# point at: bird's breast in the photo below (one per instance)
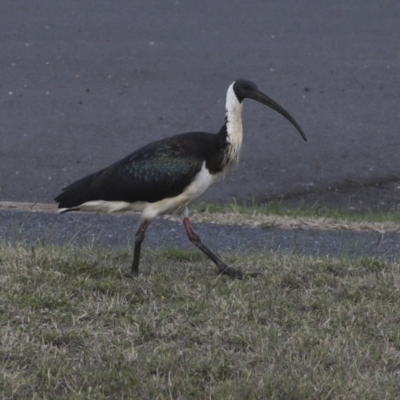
(201, 182)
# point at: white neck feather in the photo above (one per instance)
(234, 127)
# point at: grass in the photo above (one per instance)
(73, 325)
(278, 209)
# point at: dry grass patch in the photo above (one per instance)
(265, 221)
(73, 325)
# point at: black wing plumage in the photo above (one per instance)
(156, 171)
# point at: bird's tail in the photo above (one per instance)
(74, 195)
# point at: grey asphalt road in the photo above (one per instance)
(84, 83)
(118, 231)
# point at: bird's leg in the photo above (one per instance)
(139, 237)
(223, 268)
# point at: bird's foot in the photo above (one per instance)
(132, 274)
(233, 273)
(253, 274)
(237, 274)
(129, 275)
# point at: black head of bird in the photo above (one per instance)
(163, 177)
(245, 89)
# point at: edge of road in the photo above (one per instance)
(254, 220)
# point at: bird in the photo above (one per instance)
(165, 176)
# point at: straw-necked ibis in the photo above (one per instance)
(163, 177)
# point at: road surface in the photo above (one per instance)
(84, 83)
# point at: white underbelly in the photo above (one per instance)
(203, 180)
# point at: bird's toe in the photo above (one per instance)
(233, 273)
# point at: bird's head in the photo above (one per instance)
(245, 89)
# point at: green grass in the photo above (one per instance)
(73, 325)
(277, 208)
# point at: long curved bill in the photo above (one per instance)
(264, 99)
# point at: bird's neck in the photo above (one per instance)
(234, 128)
